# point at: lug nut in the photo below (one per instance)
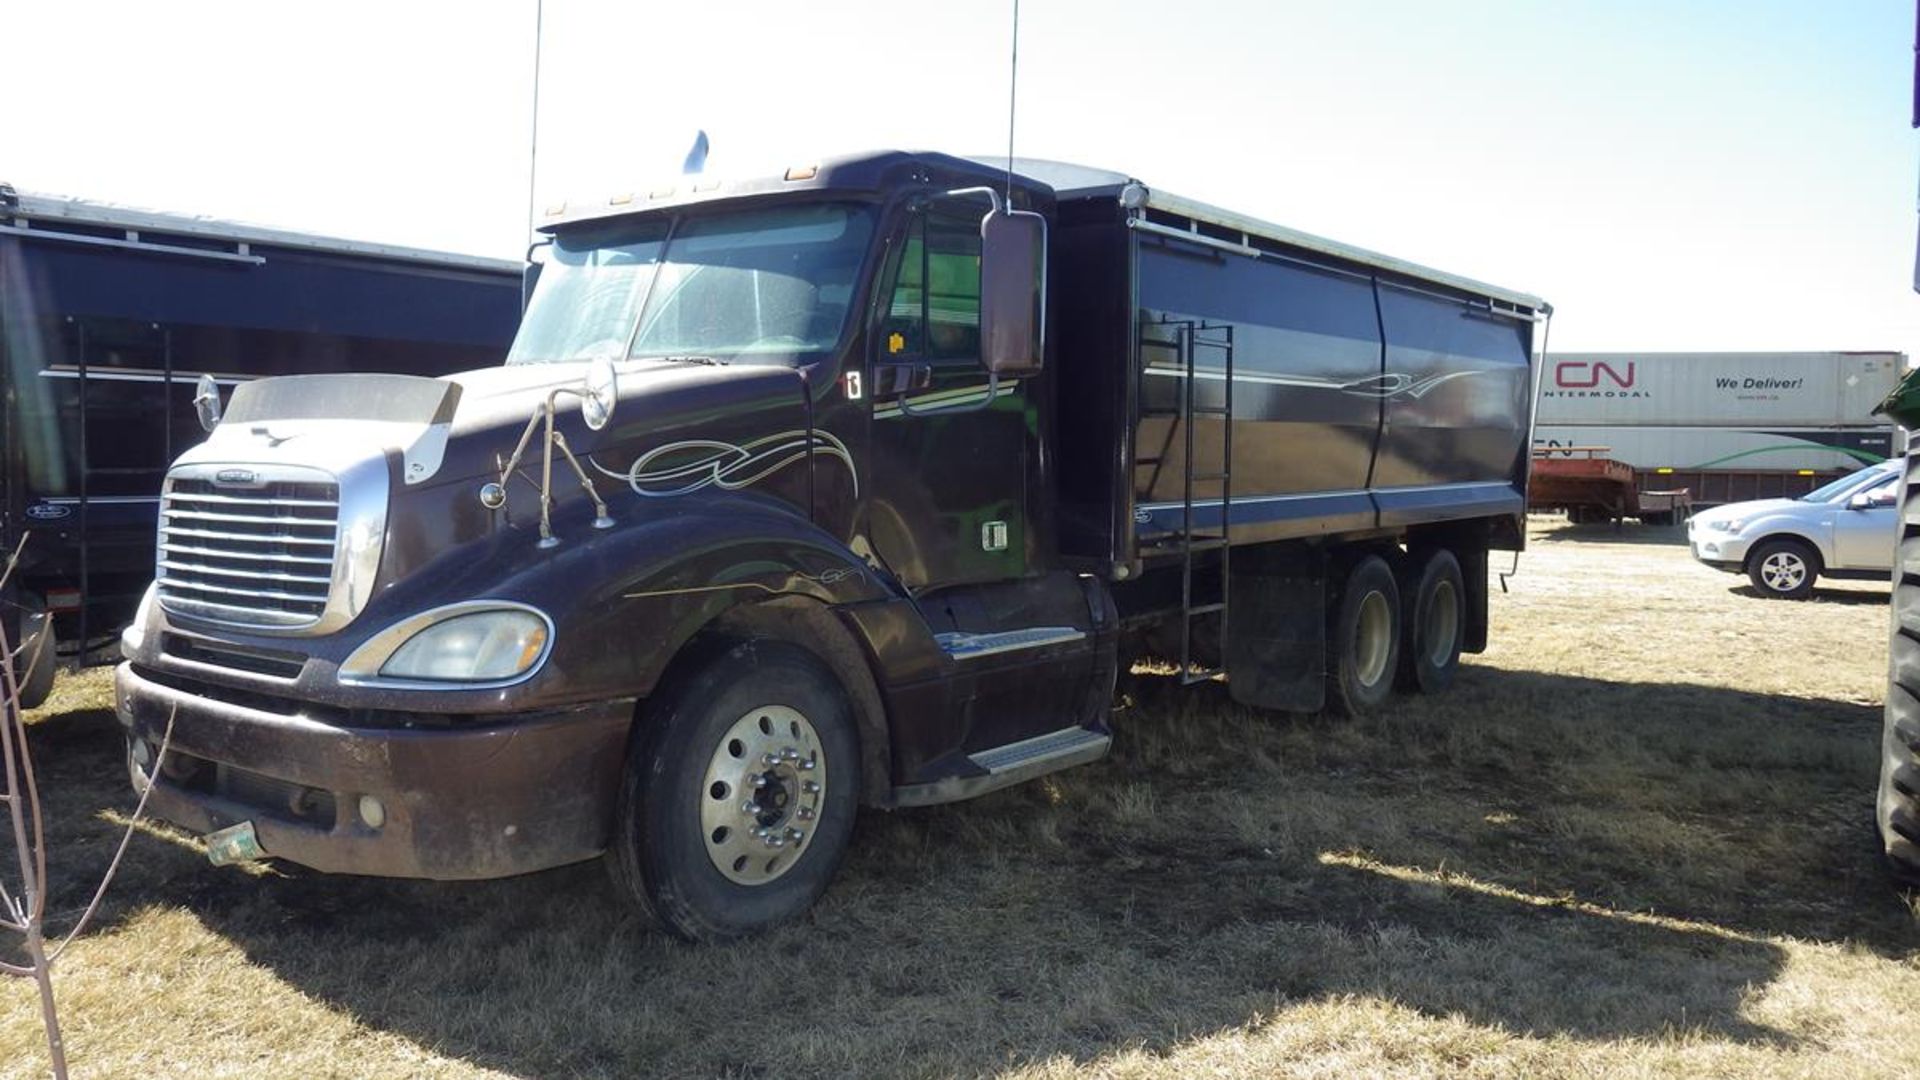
(770, 758)
(757, 780)
(790, 754)
(810, 788)
(806, 813)
(749, 807)
(796, 835)
(807, 765)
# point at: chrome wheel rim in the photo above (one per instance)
(762, 795)
(1373, 639)
(1783, 571)
(1443, 624)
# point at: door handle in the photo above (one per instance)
(893, 380)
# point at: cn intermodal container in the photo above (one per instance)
(1785, 412)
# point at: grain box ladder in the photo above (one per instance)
(1189, 338)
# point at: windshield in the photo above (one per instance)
(1844, 485)
(770, 282)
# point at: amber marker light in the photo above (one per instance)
(803, 172)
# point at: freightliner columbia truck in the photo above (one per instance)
(855, 485)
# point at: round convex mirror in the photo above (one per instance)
(599, 394)
(206, 401)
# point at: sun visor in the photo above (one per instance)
(404, 399)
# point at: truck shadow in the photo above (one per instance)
(1531, 853)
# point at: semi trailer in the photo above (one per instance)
(853, 485)
(108, 317)
(1728, 427)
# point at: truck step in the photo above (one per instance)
(963, 646)
(1015, 763)
(1044, 753)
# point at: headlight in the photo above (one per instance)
(485, 646)
(475, 641)
(1727, 525)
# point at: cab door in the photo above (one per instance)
(1865, 529)
(948, 449)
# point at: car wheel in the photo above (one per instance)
(1434, 623)
(741, 787)
(1784, 569)
(1365, 639)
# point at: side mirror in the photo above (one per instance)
(206, 401)
(1013, 286)
(601, 391)
(1867, 500)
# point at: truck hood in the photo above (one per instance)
(466, 426)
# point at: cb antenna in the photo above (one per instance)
(1013, 87)
(533, 139)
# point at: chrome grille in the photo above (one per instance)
(256, 552)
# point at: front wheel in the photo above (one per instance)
(1783, 569)
(741, 787)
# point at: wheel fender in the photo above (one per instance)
(627, 601)
(1820, 550)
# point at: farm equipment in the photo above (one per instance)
(1593, 487)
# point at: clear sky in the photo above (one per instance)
(1671, 175)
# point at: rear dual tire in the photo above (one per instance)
(1388, 630)
(1435, 626)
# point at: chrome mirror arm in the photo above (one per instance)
(493, 496)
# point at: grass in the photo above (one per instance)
(1634, 840)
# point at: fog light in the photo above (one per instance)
(372, 812)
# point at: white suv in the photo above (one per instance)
(1847, 529)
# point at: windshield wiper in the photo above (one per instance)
(710, 361)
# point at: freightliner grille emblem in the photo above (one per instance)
(236, 476)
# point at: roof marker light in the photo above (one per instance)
(803, 172)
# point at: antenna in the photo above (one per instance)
(1013, 86)
(533, 140)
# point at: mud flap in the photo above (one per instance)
(1277, 646)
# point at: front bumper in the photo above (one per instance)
(505, 795)
(1720, 550)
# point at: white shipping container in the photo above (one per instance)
(1705, 390)
(1650, 449)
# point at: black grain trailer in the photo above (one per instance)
(108, 316)
(882, 469)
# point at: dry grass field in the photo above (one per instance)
(1633, 841)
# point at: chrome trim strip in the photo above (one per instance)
(959, 645)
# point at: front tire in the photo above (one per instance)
(741, 787)
(1783, 569)
(1364, 639)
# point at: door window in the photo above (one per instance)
(933, 312)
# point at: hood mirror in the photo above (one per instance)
(206, 401)
(601, 391)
